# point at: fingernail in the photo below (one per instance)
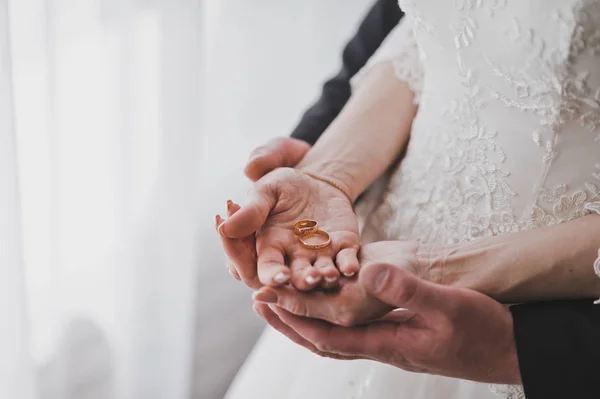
(229, 203)
(264, 296)
(281, 278)
(351, 274)
(256, 155)
(220, 229)
(381, 276)
(310, 280)
(234, 275)
(331, 279)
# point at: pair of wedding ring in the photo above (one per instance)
(307, 227)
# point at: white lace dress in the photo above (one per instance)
(506, 138)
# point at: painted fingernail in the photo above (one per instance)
(220, 229)
(331, 279)
(310, 280)
(234, 275)
(264, 296)
(281, 278)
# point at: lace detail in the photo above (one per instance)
(401, 49)
(594, 207)
(507, 133)
(508, 391)
(407, 64)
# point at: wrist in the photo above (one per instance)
(439, 264)
(477, 266)
(336, 173)
(508, 370)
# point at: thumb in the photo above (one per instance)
(278, 153)
(401, 289)
(250, 218)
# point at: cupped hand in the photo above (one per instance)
(350, 304)
(275, 203)
(453, 332)
(241, 253)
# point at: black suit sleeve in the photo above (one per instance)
(558, 345)
(379, 21)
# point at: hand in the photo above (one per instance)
(241, 253)
(275, 203)
(351, 304)
(446, 331)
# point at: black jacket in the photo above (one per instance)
(558, 343)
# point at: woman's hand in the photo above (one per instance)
(351, 304)
(279, 200)
(241, 253)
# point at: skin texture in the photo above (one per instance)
(275, 203)
(442, 330)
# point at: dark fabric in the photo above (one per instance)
(558, 345)
(378, 23)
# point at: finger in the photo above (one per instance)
(363, 341)
(398, 316)
(233, 272)
(241, 254)
(274, 321)
(250, 218)
(272, 270)
(328, 272)
(306, 304)
(402, 289)
(304, 276)
(279, 152)
(232, 208)
(347, 261)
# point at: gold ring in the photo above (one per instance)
(306, 226)
(320, 246)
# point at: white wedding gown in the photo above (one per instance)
(507, 138)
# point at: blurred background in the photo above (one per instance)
(124, 128)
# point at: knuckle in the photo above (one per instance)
(260, 151)
(347, 318)
(323, 346)
(294, 306)
(405, 289)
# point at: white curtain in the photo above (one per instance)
(100, 197)
(124, 126)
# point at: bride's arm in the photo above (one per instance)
(368, 135)
(374, 127)
(549, 263)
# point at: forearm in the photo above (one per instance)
(379, 21)
(368, 135)
(550, 263)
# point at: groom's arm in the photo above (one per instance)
(558, 346)
(377, 24)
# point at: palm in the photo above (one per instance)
(351, 304)
(293, 196)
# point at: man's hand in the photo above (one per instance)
(241, 253)
(445, 331)
(350, 304)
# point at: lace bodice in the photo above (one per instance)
(507, 134)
